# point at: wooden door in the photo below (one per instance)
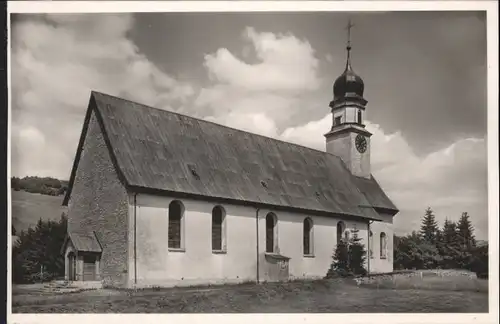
(89, 268)
(71, 267)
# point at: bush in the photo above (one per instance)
(479, 262)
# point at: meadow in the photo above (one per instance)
(28, 208)
(384, 294)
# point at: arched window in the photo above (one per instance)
(370, 242)
(340, 231)
(308, 236)
(175, 225)
(383, 245)
(218, 229)
(271, 231)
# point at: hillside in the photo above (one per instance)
(28, 208)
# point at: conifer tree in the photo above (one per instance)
(448, 245)
(429, 227)
(466, 241)
(466, 232)
(340, 264)
(37, 247)
(357, 254)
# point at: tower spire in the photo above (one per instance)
(348, 47)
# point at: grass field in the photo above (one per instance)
(337, 296)
(28, 208)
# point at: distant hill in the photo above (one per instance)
(42, 185)
(28, 208)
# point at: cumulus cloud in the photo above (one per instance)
(56, 61)
(284, 63)
(264, 92)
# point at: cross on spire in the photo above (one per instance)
(348, 27)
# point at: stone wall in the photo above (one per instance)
(99, 202)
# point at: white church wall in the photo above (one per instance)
(156, 265)
(290, 241)
(378, 263)
(196, 264)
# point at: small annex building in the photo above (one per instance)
(157, 198)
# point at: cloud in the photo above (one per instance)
(56, 61)
(451, 180)
(266, 91)
(284, 63)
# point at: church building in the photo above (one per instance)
(157, 198)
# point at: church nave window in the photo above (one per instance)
(271, 233)
(340, 231)
(370, 242)
(383, 245)
(308, 236)
(218, 229)
(175, 225)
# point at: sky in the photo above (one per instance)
(271, 74)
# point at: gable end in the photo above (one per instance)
(92, 108)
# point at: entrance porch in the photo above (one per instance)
(82, 255)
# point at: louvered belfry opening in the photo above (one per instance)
(307, 236)
(175, 211)
(270, 228)
(217, 222)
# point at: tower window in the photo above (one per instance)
(338, 120)
(360, 121)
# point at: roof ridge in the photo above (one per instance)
(217, 124)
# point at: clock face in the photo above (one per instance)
(361, 143)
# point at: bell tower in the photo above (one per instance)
(348, 138)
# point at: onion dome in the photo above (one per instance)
(349, 84)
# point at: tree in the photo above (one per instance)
(13, 229)
(340, 264)
(466, 232)
(413, 252)
(448, 245)
(37, 247)
(466, 241)
(349, 257)
(429, 227)
(357, 254)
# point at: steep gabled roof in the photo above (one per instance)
(160, 151)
